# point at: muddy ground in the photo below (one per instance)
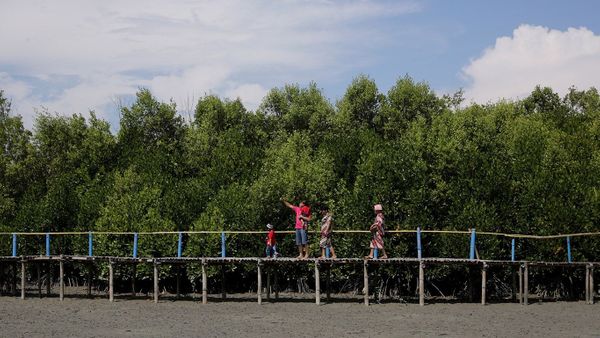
(240, 315)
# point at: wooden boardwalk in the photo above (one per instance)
(268, 266)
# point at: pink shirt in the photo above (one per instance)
(298, 212)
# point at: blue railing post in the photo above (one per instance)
(512, 250)
(569, 249)
(14, 245)
(179, 240)
(135, 245)
(419, 248)
(472, 249)
(223, 244)
(47, 244)
(90, 244)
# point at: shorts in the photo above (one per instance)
(301, 237)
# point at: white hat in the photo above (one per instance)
(378, 207)
(269, 226)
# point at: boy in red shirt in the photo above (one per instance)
(271, 243)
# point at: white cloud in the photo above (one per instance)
(180, 48)
(533, 56)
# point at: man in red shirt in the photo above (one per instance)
(301, 233)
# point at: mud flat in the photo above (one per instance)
(242, 316)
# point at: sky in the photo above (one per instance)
(76, 56)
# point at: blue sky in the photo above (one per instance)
(71, 56)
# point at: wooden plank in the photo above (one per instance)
(366, 281)
(276, 283)
(223, 293)
(23, 272)
(177, 281)
(61, 280)
(133, 277)
(39, 278)
(111, 288)
(422, 283)
(204, 284)
(14, 278)
(317, 284)
(328, 282)
(89, 288)
(48, 278)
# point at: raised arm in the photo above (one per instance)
(287, 204)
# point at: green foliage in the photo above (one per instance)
(530, 166)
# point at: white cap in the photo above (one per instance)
(269, 226)
(378, 207)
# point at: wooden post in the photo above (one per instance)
(259, 281)
(421, 283)
(526, 284)
(268, 283)
(133, 277)
(48, 279)
(89, 288)
(276, 283)
(14, 279)
(520, 284)
(483, 282)
(223, 293)
(61, 273)
(317, 283)
(22, 279)
(204, 283)
(39, 278)
(155, 282)
(592, 290)
(328, 282)
(514, 283)
(366, 281)
(587, 284)
(177, 281)
(110, 282)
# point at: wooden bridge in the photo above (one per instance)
(268, 267)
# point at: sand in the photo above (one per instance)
(98, 317)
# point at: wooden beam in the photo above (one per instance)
(276, 283)
(587, 284)
(592, 289)
(328, 283)
(133, 277)
(223, 293)
(177, 281)
(39, 278)
(48, 278)
(89, 288)
(520, 284)
(268, 283)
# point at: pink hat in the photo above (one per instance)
(378, 207)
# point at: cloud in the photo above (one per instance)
(534, 55)
(179, 49)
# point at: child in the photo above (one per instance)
(377, 231)
(271, 243)
(326, 229)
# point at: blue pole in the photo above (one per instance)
(472, 250)
(47, 244)
(90, 245)
(569, 249)
(135, 244)
(223, 244)
(419, 248)
(375, 253)
(512, 250)
(179, 244)
(14, 246)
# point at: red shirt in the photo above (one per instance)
(271, 237)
